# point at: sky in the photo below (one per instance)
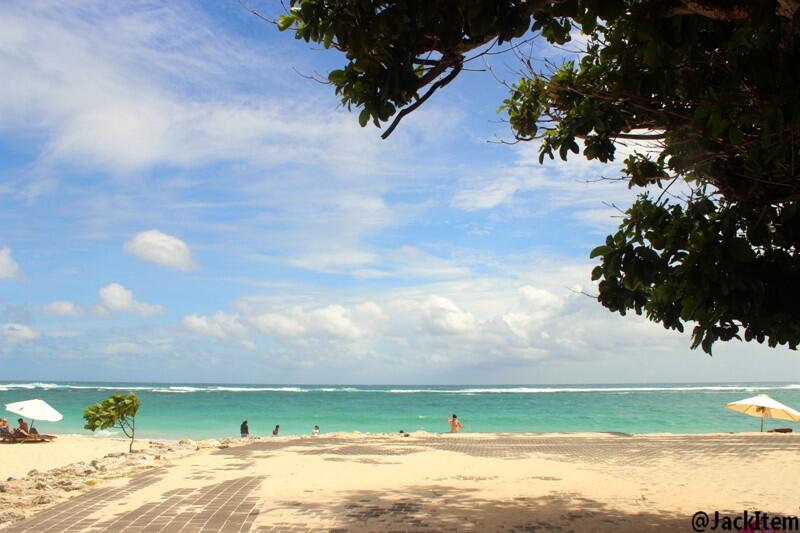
(180, 202)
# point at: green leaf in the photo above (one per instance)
(735, 136)
(363, 117)
(285, 22)
(598, 251)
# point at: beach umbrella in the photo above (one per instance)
(762, 406)
(35, 410)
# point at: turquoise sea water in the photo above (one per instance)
(210, 410)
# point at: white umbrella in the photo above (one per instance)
(35, 410)
(762, 406)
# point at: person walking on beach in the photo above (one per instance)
(276, 431)
(244, 429)
(455, 423)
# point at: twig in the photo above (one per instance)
(593, 296)
(441, 83)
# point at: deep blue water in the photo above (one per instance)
(212, 410)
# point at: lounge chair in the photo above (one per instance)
(19, 436)
(780, 430)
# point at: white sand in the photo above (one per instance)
(17, 460)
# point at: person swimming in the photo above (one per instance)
(455, 424)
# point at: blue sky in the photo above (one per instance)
(177, 203)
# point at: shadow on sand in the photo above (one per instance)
(442, 508)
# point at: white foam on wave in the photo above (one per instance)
(30, 386)
(105, 387)
(616, 390)
(221, 388)
(257, 389)
(470, 391)
(48, 386)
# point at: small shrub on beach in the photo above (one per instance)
(116, 411)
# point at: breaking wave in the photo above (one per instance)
(470, 391)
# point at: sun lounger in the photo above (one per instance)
(22, 437)
(780, 430)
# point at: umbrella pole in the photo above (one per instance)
(762, 423)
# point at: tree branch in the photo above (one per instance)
(405, 111)
(729, 10)
(712, 10)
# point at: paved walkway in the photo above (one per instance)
(233, 505)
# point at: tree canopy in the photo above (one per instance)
(714, 84)
(116, 411)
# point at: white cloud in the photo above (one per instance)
(487, 195)
(9, 269)
(219, 325)
(116, 298)
(333, 260)
(62, 308)
(409, 261)
(137, 112)
(13, 333)
(527, 188)
(123, 348)
(514, 318)
(160, 248)
(328, 321)
(247, 345)
(336, 320)
(281, 325)
(540, 298)
(444, 316)
(517, 322)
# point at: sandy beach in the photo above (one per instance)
(425, 482)
(17, 461)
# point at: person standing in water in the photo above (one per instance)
(316, 430)
(244, 429)
(455, 423)
(276, 431)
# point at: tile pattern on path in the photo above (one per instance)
(222, 507)
(69, 515)
(232, 506)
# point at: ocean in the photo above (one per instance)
(215, 410)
